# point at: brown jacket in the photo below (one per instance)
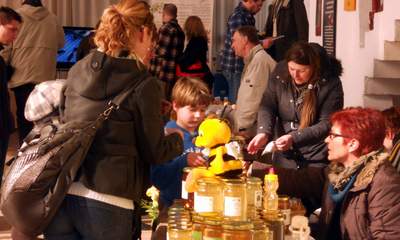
(34, 53)
(370, 210)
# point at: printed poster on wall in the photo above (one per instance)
(201, 8)
(318, 16)
(329, 26)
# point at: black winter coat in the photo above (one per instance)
(278, 103)
(369, 210)
(6, 120)
(292, 22)
(133, 138)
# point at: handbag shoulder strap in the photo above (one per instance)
(117, 100)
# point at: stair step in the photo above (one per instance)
(397, 30)
(382, 86)
(392, 50)
(378, 102)
(386, 68)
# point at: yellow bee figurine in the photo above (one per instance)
(214, 134)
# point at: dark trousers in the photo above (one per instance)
(83, 218)
(3, 154)
(21, 95)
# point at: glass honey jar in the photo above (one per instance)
(198, 227)
(254, 192)
(284, 208)
(213, 228)
(184, 194)
(260, 230)
(235, 201)
(208, 199)
(237, 230)
(178, 232)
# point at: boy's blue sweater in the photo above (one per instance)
(167, 177)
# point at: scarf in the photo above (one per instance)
(339, 176)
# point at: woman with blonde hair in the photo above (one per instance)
(193, 62)
(99, 204)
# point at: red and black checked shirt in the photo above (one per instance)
(171, 40)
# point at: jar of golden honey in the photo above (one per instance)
(184, 194)
(260, 230)
(177, 232)
(208, 199)
(254, 192)
(235, 203)
(198, 227)
(237, 230)
(284, 208)
(213, 228)
(254, 196)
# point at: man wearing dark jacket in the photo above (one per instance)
(10, 22)
(171, 40)
(286, 18)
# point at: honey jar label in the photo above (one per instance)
(286, 216)
(184, 193)
(258, 195)
(203, 203)
(232, 206)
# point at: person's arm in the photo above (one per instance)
(268, 110)
(384, 206)
(154, 146)
(163, 174)
(252, 87)
(300, 15)
(164, 41)
(331, 103)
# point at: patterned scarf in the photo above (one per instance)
(339, 175)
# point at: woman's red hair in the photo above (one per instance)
(364, 124)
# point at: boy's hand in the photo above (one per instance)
(196, 160)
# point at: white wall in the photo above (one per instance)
(358, 61)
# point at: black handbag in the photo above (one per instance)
(44, 169)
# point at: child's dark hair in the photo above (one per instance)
(8, 14)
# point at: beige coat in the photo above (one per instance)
(257, 69)
(34, 53)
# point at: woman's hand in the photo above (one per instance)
(284, 142)
(196, 160)
(257, 142)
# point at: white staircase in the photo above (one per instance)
(382, 90)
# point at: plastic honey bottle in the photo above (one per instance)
(270, 196)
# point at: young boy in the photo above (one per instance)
(190, 98)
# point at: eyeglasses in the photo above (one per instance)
(335, 135)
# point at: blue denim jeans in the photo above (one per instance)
(233, 80)
(83, 218)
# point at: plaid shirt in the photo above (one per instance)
(44, 100)
(240, 17)
(171, 40)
